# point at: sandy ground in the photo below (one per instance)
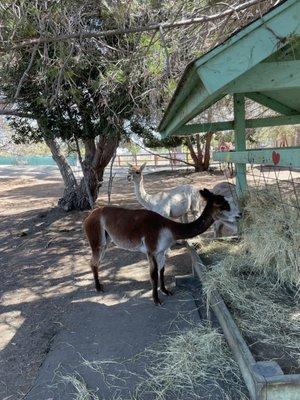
(44, 265)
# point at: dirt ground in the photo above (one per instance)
(44, 265)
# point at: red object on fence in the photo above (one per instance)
(275, 157)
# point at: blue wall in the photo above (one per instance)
(32, 160)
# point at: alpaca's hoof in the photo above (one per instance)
(167, 292)
(157, 301)
(99, 287)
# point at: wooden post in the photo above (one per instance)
(240, 140)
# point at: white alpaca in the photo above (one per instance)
(228, 191)
(175, 203)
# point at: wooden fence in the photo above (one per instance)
(153, 160)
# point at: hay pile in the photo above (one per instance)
(259, 277)
(271, 235)
(190, 365)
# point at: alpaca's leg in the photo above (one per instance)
(162, 282)
(161, 260)
(98, 252)
(97, 256)
(218, 228)
(154, 278)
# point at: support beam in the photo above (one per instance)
(240, 140)
(271, 103)
(268, 76)
(240, 53)
(282, 156)
(191, 129)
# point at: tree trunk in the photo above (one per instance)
(71, 186)
(196, 157)
(208, 139)
(201, 162)
(97, 157)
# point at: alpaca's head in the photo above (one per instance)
(135, 172)
(222, 209)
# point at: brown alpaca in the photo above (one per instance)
(147, 232)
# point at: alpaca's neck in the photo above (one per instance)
(141, 195)
(192, 229)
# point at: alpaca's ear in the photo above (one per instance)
(143, 166)
(206, 194)
(129, 165)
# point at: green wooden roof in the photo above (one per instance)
(261, 60)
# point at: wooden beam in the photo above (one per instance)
(240, 140)
(241, 52)
(249, 47)
(192, 129)
(282, 156)
(271, 103)
(268, 77)
(196, 102)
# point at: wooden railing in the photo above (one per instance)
(153, 160)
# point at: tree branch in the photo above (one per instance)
(15, 113)
(112, 32)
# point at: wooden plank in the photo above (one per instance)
(191, 129)
(251, 49)
(227, 62)
(267, 77)
(282, 156)
(271, 103)
(189, 108)
(273, 121)
(240, 141)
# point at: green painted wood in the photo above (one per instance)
(248, 30)
(271, 103)
(240, 140)
(183, 91)
(227, 62)
(282, 156)
(267, 77)
(288, 97)
(190, 107)
(250, 50)
(273, 121)
(191, 129)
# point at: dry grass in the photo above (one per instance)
(259, 277)
(192, 364)
(81, 392)
(271, 234)
(262, 309)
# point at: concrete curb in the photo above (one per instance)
(264, 379)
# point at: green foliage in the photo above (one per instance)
(151, 139)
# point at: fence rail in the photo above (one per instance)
(153, 160)
(164, 159)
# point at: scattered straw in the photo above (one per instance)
(191, 365)
(79, 385)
